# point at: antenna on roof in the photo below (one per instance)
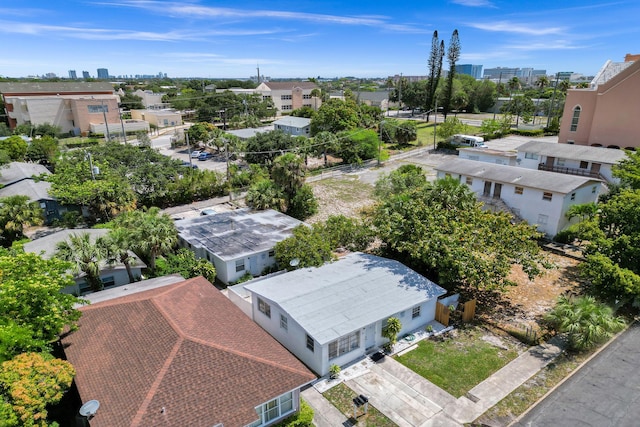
(89, 409)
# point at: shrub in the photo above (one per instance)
(304, 418)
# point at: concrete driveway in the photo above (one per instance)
(604, 392)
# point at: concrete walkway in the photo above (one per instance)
(410, 400)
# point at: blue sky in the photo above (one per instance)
(303, 38)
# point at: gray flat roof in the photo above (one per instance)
(297, 122)
(341, 297)
(235, 234)
(16, 171)
(133, 288)
(54, 87)
(575, 152)
(47, 244)
(542, 180)
(489, 151)
(249, 132)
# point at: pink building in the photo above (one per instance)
(606, 114)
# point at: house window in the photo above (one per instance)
(306, 96)
(285, 97)
(264, 308)
(531, 156)
(560, 162)
(573, 196)
(584, 165)
(310, 343)
(344, 345)
(547, 196)
(469, 180)
(239, 265)
(307, 105)
(266, 97)
(286, 107)
(283, 322)
(543, 219)
(575, 119)
(98, 108)
(518, 190)
(272, 253)
(415, 312)
(593, 190)
(274, 409)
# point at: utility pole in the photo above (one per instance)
(380, 142)
(226, 152)
(435, 124)
(124, 134)
(104, 114)
(400, 93)
(498, 95)
(186, 136)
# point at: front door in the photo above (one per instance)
(497, 190)
(487, 189)
(595, 168)
(370, 337)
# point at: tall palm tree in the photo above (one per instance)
(86, 255)
(288, 173)
(116, 246)
(265, 195)
(16, 213)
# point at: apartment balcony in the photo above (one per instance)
(570, 171)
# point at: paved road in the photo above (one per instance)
(604, 392)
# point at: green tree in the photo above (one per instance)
(441, 229)
(17, 213)
(266, 146)
(33, 311)
(185, 263)
(48, 130)
(391, 329)
(628, 170)
(401, 180)
(435, 70)
(325, 142)
(405, 132)
(15, 147)
(307, 246)
(334, 116)
(288, 174)
(450, 127)
(303, 204)
(86, 255)
(519, 105)
(116, 246)
(348, 233)
(453, 54)
(265, 194)
(585, 321)
(43, 150)
(357, 146)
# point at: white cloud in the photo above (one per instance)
(473, 3)
(511, 27)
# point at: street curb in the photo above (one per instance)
(575, 371)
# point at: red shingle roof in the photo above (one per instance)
(183, 347)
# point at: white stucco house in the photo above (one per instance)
(334, 314)
(541, 198)
(236, 242)
(593, 162)
(294, 126)
(112, 275)
(498, 157)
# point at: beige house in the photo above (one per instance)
(158, 118)
(289, 96)
(73, 106)
(606, 114)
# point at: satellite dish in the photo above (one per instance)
(90, 408)
(294, 262)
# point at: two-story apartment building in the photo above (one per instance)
(541, 198)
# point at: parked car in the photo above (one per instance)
(205, 155)
(189, 165)
(195, 154)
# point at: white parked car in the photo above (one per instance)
(195, 154)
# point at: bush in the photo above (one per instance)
(528, 132)
(304, 418)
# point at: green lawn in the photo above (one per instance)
(457, 364)
(342, 397)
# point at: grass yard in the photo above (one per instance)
(459, 363)
(342, 397)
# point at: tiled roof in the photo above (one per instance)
(183, 347)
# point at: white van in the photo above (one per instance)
(468, 141)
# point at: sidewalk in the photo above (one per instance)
(421, 403)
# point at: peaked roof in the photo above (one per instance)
(541, 180)
(184, 348)
(341, 297)
(574, 152)
(34, 190)
(17, 171)
(234, 234)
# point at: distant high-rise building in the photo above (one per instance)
(85, 75)
(502, 73)
(72, 74)
(103, 73)
(472, 70)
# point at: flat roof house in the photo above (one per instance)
(594, 162)
(181, 355)
(236, 242)
(498, 157)
(295, 126)
(334, 314)
(541, 198)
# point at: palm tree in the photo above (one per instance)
(542, 82)
(391, 330)
(315, 94)
(585, 321)
(265, 195)
(116, 246)
(16, 213)
(288, 173)
(86, 255)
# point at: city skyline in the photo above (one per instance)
(309, 39)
